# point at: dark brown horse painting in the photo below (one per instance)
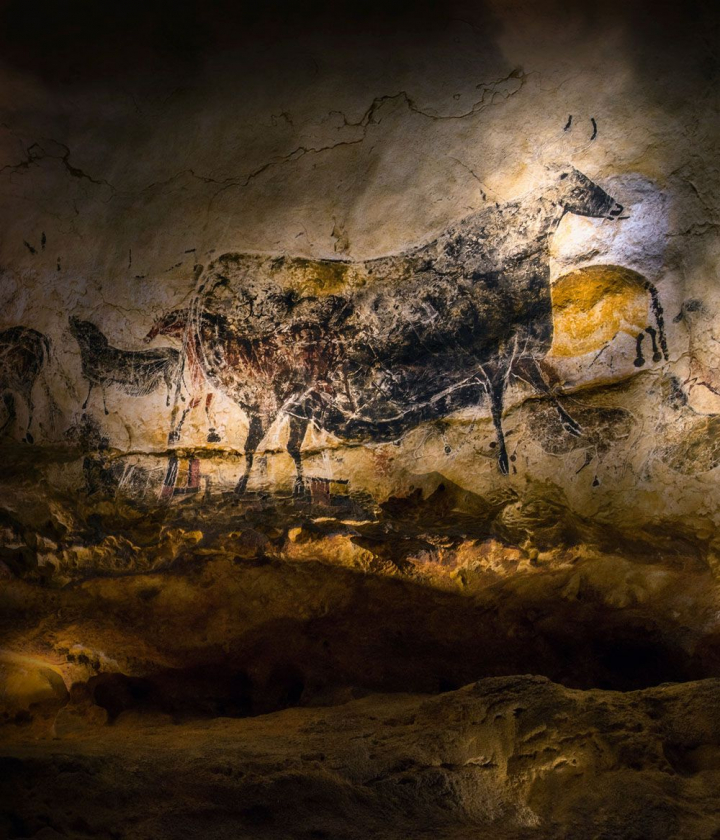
(367, 350)
(135, 372)
(24, 353)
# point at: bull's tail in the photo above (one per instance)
(657, 309)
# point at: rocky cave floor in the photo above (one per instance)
(441, 665)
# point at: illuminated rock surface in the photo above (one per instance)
(354, 362)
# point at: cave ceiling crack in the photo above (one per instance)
(371, 117)
(37, 152)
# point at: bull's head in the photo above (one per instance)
(577, 194)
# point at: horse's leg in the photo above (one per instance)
(212, 436)
(528, 368)
(652, 332)
(105, 408)
(9, 401)
(298, 427)
(639, 358)
(31, 410)
(256, 432)
(494, 383)
(87, 399)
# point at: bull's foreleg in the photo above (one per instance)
(528, 369)
(87, 399)
(105, 408)
(212, 436)
(494, 381)
(298, 427)
(256, 432)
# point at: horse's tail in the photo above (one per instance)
(657, 309)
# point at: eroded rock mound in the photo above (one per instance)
(516, 757)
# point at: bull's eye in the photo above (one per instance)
(563, 176)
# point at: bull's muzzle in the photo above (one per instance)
(616, 211)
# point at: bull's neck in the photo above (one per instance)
(549, 216)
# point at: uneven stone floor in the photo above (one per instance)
(510, 757)
(267, 669)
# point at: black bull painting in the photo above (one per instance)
(367, 350)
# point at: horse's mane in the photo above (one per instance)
(87, 331)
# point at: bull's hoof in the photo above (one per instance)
(28, 438)
(213, 437)
(572, 428)
(301, 492)
(173, 437)
(241, 487)
(504, 463)
(657, 357)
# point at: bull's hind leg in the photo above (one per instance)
(175, 430)
(212, 435)
(298, 427)
(528, 369)
(256, 432)
(494, 382)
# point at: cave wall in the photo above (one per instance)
(265, 159)
(457, 264)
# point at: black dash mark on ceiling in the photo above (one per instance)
(177, 265)
(139, 276)
(594, 125)
(189, 251)
(58, 264)
(568, 123)
(43, 240)
(29, 247)
(130, 258)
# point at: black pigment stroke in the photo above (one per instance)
(136, 372)
(367, 350)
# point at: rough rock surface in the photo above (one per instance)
(351, 354)
(511, 758)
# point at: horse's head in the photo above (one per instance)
(86, 331)
(173, 323)
(577, 194)
(78, 327)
